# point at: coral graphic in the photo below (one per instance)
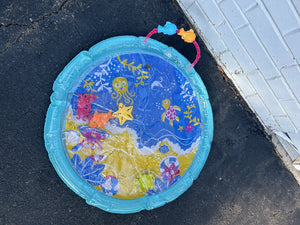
(186, 92)
(101, 83)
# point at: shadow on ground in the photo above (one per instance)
(243, 182)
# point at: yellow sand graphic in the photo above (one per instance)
(124, 162)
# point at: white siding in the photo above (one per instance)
(257, 43)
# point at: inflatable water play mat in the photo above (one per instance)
(130, 125)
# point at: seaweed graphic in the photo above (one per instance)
(198, 123)
(89, 85)
(188, 114)
(141, 78)
(133, 69)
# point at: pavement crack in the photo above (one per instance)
(38, 20)
(9, 45)
(31, 26)
(13, 24)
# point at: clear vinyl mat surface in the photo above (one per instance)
(130, 124)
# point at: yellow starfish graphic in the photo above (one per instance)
(123, 113)
(180, 128)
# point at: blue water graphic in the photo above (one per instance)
(161, 81)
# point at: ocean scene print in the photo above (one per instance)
(138, 117)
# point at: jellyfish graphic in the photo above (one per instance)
(120, 86)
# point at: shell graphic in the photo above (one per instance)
(72, 137)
